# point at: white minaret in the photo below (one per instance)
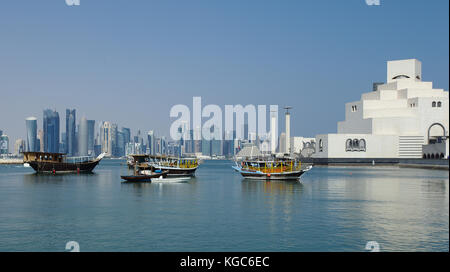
(273, 133)
(288, 130)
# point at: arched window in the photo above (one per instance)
(428, 156)
(424, 156)
(433, 104)
(439, 104)
(362, 145)
(432, 156)
(348, 145)
(320, 145)
(442, 155)
(355, 145)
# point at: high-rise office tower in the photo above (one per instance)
(31, 124)
(19, 146)
(91, 133)
(120, 146)
(51, 131)
(273, 133)
(288, 130)
(107, 138)
(216, 142)
(4, 144)
(83, 137)
(151, 142)
(40, 140)
(70, 132)
(126, 135)
(282, 143)
(246, 131)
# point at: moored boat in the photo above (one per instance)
(176, 167)
(46, 162)
(272, 169)
(144, 176)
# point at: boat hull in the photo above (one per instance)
(140, 178)
(273, 176)
(144, 177)
(176, 172)
(293, 175)
(63, 167)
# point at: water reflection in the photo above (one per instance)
(272, 187)
(280, 201)
(141, 189)
(40, 178)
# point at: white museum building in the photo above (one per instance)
(403, 118)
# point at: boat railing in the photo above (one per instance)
(279, 168)
(78, 159)
(178, 164)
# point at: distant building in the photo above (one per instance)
(120, 146)
(4, 144)
(71, 141)
(19, 147)
(40, 140)
(83, 137)
(282, 143)
(31, 125)
(91, 136)
(126, 134)
(396, 120)
(151, 142)
(106, 138)
(51, 131)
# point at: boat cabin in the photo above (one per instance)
(43, 157)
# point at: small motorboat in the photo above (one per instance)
(162, 179)
(144, 176)
(137, 178)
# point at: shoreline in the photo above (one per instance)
(439, 164)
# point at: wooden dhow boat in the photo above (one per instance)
(271, 168)
(46, 162)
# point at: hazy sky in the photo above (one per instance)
(129, 61)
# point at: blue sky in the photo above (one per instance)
(130, 61)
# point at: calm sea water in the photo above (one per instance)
(331, 209)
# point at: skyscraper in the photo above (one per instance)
(120, 146)
(108, 138)
(19, 147)
(51, 131)
(151, 142)
(83, 137)
(4, 144)
(41, 140)
(126, 135)
(91, 132)
(70, 132)
(31, 125)
(216, 142)
(105, 138)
